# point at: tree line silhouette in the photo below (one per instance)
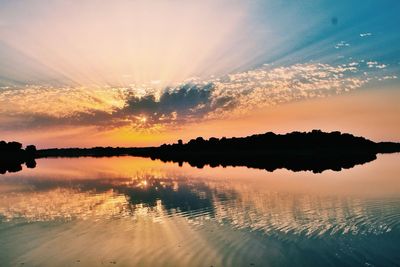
(314, 151)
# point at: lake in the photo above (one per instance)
(129, 211)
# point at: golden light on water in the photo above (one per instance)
(122, 173)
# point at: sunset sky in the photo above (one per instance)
(138, 73)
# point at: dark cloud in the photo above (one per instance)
(188, 101)
(183, 100)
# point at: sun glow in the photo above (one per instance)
(143, 119)
(132, 43)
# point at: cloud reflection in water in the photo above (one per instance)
(162, 194)
(134, 211)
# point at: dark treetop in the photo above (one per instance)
(314, 151)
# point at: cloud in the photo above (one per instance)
(371, 64)
(43, 107)
(342, 44)
(269, 86)
(365, 34)
(186, 102)
(375, 64)
(388, 77)
(186, 98)
(60, 101)
(145, 107)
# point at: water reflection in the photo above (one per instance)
(295, 163)
(15, 165)
(232, 216)
(269, 212)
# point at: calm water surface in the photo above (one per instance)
(127, 211)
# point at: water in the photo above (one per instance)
(127, 211)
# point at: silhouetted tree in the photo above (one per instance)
(31, 149)
(14, 146)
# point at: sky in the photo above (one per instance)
(140, 72)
